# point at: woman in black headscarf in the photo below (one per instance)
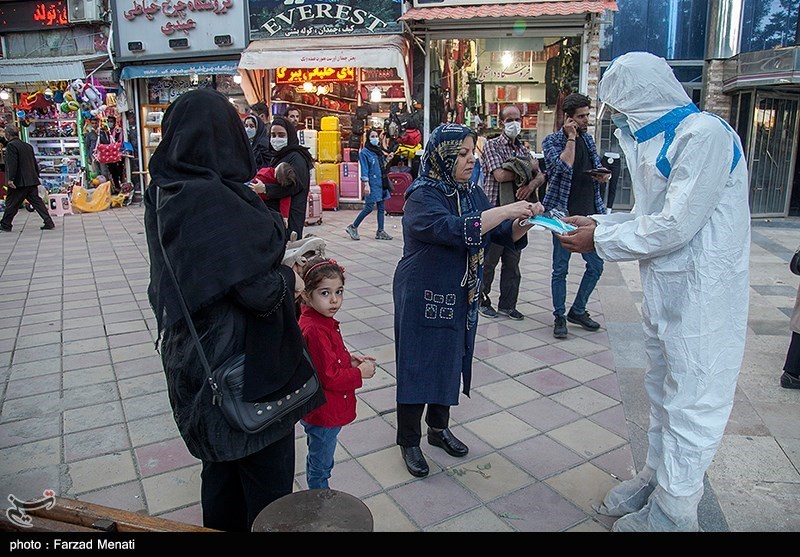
(225, 247)
(257, 134)
(285, 147)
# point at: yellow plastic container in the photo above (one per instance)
(327, 172)
(329, 149)
(329, 124)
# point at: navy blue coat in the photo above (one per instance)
(433, 345)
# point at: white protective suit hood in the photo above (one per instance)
(641, 86)
(690, 232)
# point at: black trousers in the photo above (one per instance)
(15, 197)
(792, 365)
(510, 277)
(116, 169)
(297, 212)
(409, 421)
(233, 493)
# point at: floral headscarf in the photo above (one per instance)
(439, 159)
(437, 170)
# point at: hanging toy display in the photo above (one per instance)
(69, 104)
(84, 92)
(29, 104)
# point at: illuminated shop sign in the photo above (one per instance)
(301, 75)
(31, 16)
(276, 19)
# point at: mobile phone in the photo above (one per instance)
(597, 171)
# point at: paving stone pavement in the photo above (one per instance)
(551, 424)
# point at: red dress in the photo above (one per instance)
(339, 379)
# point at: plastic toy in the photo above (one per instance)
(85, 201)
(88, 93)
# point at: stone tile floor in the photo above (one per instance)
(551, 424)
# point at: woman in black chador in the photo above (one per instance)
(225, 247)
(285, 147)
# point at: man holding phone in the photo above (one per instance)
(573, 188)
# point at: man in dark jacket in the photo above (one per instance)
(22, 176)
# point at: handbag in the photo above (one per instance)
(794, 263)
(106, 153)
(227, 380)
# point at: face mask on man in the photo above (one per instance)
(374, 141)
(251, 132)
(621, 121)
(512, 129)
(278, 143)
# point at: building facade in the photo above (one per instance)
(739, 59)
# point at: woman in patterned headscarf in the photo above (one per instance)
(447, 222)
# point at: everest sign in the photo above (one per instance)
(278, 19)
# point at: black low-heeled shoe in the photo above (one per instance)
(415, 461)
(789, 381)
(449, 442)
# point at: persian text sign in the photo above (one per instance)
(176, 11)
(30, 16)
(201, 27)
(301, 75)
(277, 19)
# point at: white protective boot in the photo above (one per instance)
(663, 513)
(629, 496)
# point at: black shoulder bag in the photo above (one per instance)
(227, 380)
(794, 263)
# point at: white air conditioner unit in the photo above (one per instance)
(459, 3)
(83, 11)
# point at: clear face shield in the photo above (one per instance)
(605, 111)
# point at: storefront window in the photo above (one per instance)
(768, 24)
(672, 29)
(164, 90)
(161, 91)
(55, 42)
(473, 80)
(227, 85)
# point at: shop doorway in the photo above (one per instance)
(772, 154)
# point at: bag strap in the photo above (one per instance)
(216, 394)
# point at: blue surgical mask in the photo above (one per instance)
(621, 121)
(251, 132)
(374, 141)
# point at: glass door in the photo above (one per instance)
(772, 154)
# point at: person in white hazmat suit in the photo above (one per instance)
(690, 231)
